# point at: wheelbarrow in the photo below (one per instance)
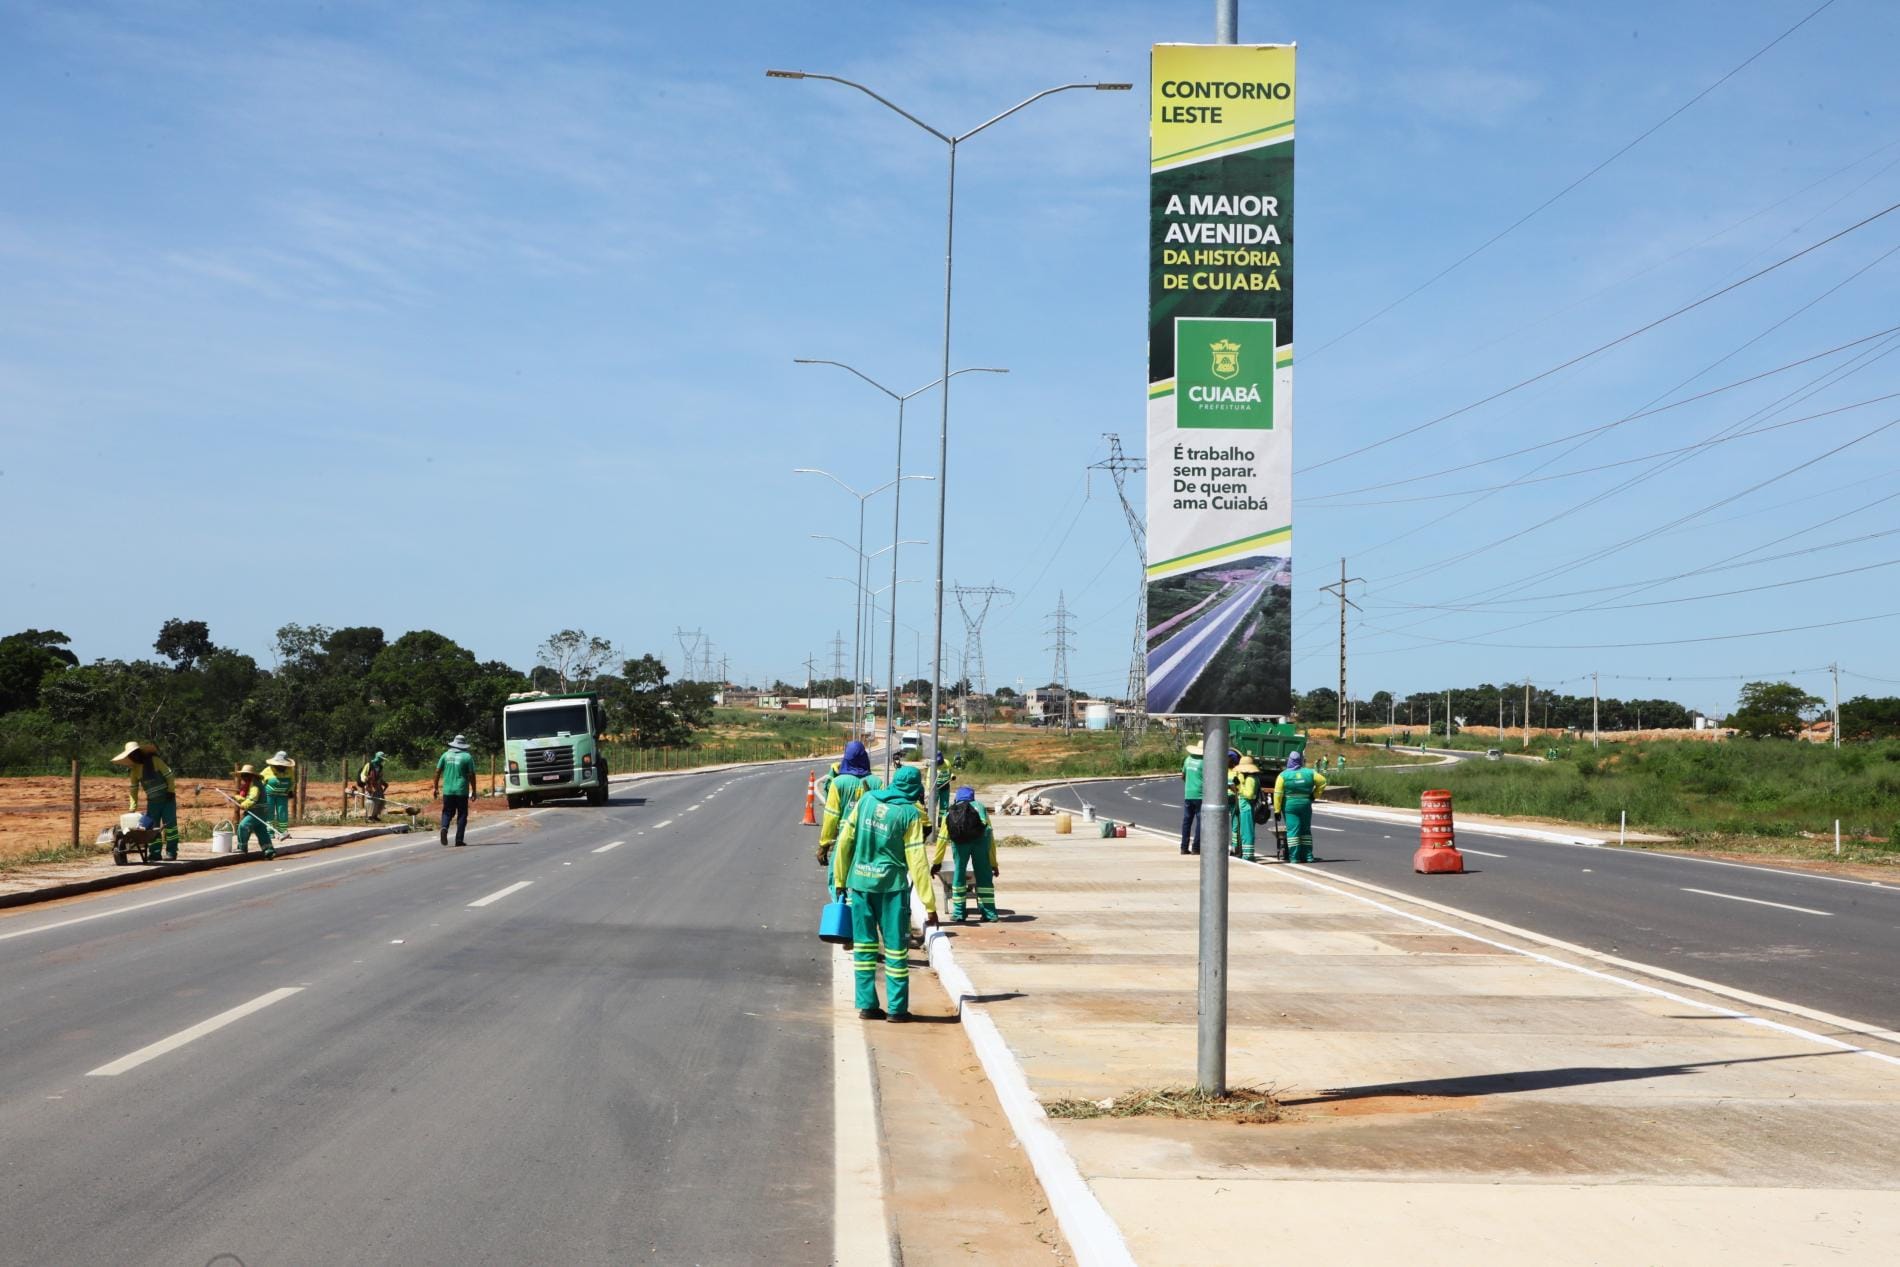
(133, 839)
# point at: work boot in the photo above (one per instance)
(269, 852)
(870, 1013)
(898, 1018)
(444, 834)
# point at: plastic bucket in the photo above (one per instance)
(223, 838)
(1064, 824)
(1088, 813)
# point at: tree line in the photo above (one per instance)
(331, 693)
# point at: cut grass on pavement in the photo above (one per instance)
(1244, 1106)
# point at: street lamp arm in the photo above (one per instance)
(812, 360)
(886, 102)
(1027, 101)
(812, 470)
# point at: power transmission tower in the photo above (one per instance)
(974, 602)
(837, 657)
(706, 661)
(689, 646)
(1339, 588)
(1061, 647)
(1120, 466)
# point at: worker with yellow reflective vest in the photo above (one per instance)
(250, 808)
(1243, 786)
(850, 779)
(279, 786)
(153, 778)
(879, 859)
(1293, 795)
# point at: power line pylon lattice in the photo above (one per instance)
(1120, 466)
(1060, 633)
(974, 602)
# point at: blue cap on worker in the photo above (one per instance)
(965, 793)
(1294, 760)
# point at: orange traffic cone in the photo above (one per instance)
(811, 799)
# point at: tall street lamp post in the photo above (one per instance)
(951, 141)
(897, 503)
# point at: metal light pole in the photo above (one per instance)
(897, 506)
(951, 142)
(1211, 990)
(857, 633)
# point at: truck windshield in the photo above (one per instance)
(545, 723)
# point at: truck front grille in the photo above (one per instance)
(550, 765)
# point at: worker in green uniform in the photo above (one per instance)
(1244, 782)
(966, 834)
(455, 777)
(850, 779)
(250, 808)
(279, 785)
(943, 786)
(880, 857)
(152, 777)
(1191, 781)
(1293, 795)
(374, 787)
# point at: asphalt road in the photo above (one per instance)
(1819, 942)
(1177, 662)
(544, 1047)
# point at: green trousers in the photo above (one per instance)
(881, 918)
(164, 811)
(1299, 830)
(250, 825)
(279, 809)
(972, 857)
(1240, 833)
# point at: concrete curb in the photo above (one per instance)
(1092, 1232)
(119, 879)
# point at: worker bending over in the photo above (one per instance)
(1293, 795)
(880, 857)
(249, 799)
(849, 779)
(374, 787)
(972, 847)
(151, 776)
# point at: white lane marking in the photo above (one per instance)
(1481, 853)
(691, 808)
(396, 942)
(1736, 897)
(860, 1230)
(499, 894)
(667, 823)
(183, 1036)
(1317, 827)
(612, 844)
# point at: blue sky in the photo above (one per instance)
(481, 318)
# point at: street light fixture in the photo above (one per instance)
(857, 628)
(890, 723)
(951, 141)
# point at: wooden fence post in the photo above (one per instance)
(75, 802)
(345, 764)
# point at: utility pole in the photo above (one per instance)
(1447, 718)
(1061, 647)
(1500, 714)
(1835, 669)
(1595, 705)
(1120, 466)
(1527, 713)
(1339, 588)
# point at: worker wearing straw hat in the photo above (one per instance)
(1191, 784)
(455, 776)
(151, 776)
(249, 799)
(1244, 782)
(279, 786)
(374, 787)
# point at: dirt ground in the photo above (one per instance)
(36, 813)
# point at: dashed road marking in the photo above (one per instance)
(612, 844)
(1481, 853)
(499, 894)
(183, 1036)
(1755, 901)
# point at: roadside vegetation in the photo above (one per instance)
(1775, 793)
(1241, 1106)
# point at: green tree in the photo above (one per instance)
(1865, 717)
(575, 657)
(651, 712)
(24, 664)
(186, 643)
(1773, 710)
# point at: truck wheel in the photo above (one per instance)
(514, 802)
(597, 795)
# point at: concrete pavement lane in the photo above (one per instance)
(1810, 940)
(625, 1060)
(1179, 661)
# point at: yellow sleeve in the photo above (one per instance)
(132, 802)
(989, 838)
(1279, 793)
(834, 810)
(943, 845)
(919, 867)
(847, 840)
(1319, 784)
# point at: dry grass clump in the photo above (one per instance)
(1245, 1106)
(1017, 842)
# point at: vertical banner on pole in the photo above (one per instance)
(1220, 380)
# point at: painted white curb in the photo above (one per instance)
(1093, 1235)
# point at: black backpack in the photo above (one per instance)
(964, 823)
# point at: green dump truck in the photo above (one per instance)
(554, 746)
(1268, 742)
